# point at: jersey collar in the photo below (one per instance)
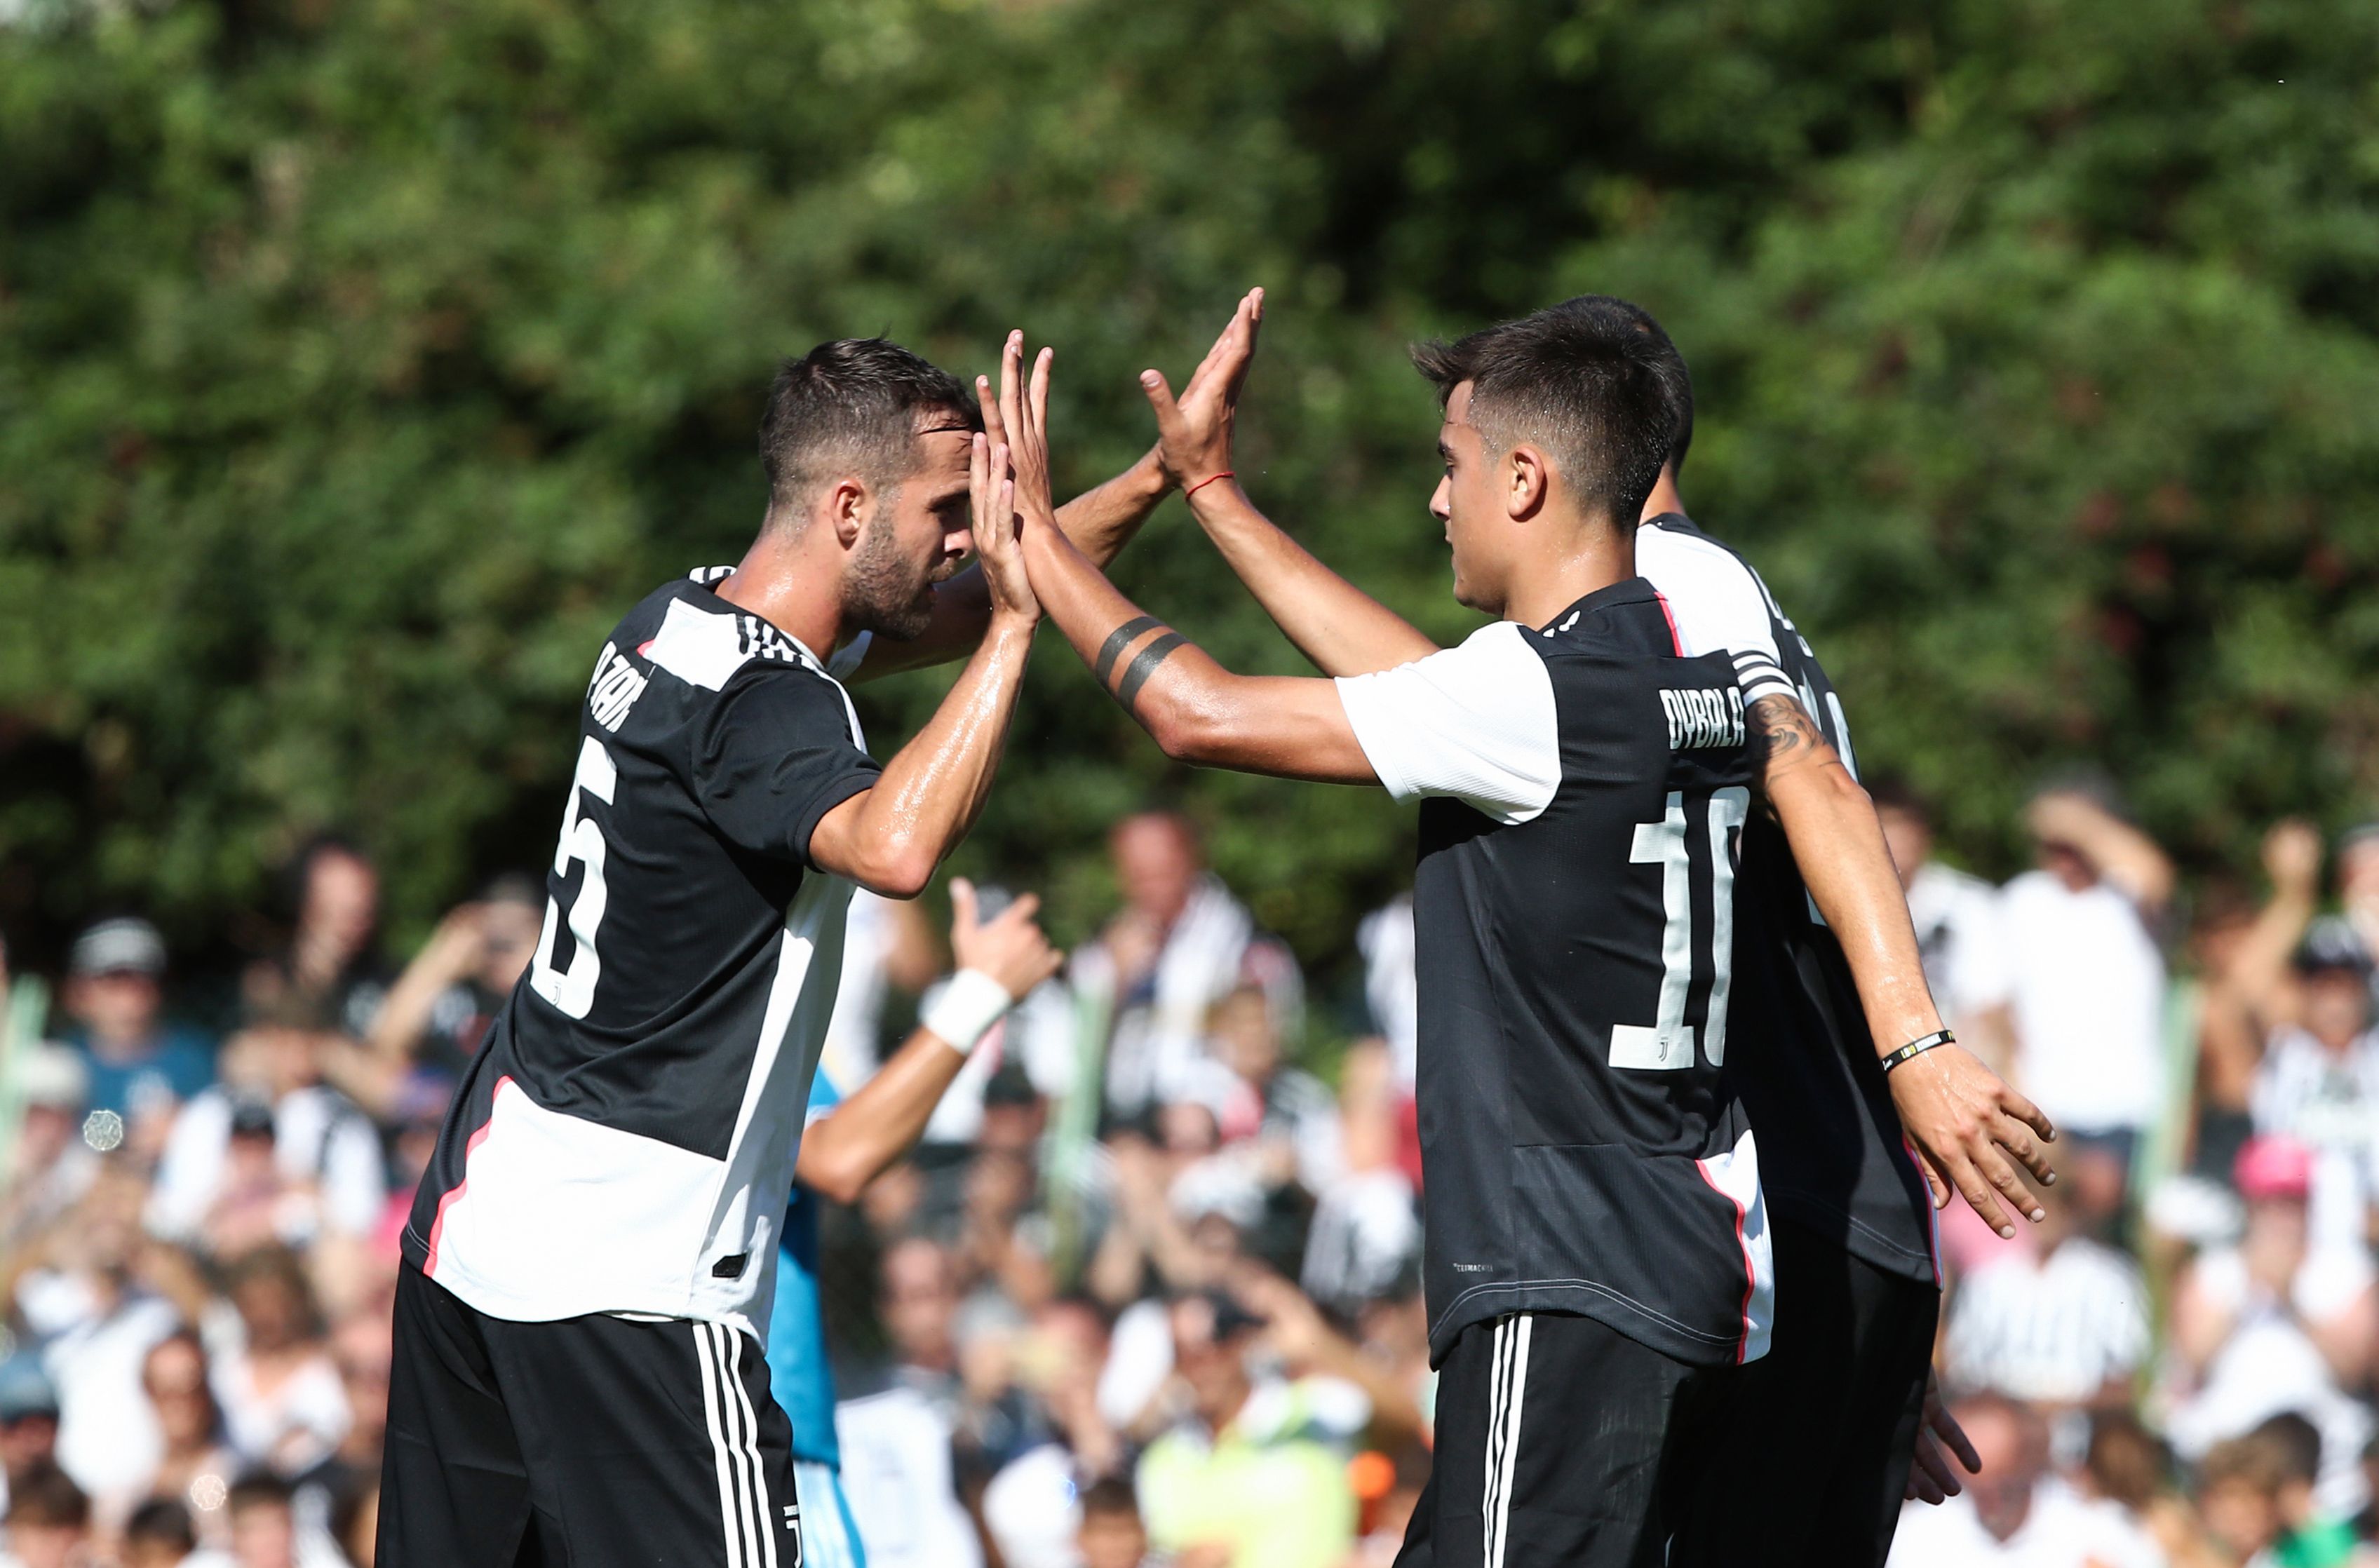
(1627, 590)
(707, 578)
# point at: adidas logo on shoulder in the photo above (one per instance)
(1703, 716)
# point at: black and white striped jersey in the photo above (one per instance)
(1835, 1159)
(1583, 787)
(623, 1141)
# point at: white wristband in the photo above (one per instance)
(966, 1008)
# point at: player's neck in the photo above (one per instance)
(1664, 498)
(778, 582)
(1585, 561)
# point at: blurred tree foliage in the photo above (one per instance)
(361, 361)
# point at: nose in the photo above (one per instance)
(1441, 500)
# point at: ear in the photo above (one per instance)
(1528, 482)
(848, 504)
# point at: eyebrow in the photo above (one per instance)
(1444, 450)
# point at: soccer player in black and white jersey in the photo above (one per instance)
(589, 1261)
(1831, 982)
(1820, 1431)
(1596, 1267)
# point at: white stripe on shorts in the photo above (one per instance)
(1507, 1392)
(730, 1505)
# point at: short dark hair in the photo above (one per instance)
(1578, 379)
(258, 1489)
(2296, 1444)
(47, 1496)
(855, 401)
(1676, 382)
(164, 1521)
(1110, 1495)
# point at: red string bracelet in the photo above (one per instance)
(1225, 474)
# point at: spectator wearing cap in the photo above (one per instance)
(2318, 1083)
(2274, 1323)
(2088, 977)
(1254, 1474)
(51, 1165)
(272, 1153)
(140, 1066)
(2246, 986)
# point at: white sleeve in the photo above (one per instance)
(1477, 722)
(1717, 605)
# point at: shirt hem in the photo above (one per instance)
(1586, 1298)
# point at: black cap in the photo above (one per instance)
(2331, 943)
(251, 1117)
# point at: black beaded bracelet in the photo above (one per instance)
(1918, 1046)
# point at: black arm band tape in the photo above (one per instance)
(1119, 640)
(1136, 675)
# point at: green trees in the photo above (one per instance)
(359, 363)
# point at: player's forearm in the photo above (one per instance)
(1838, 844)
(880, 1123)
(934, 788)
(1102, 520)
(1342, 629)
(1190, 705)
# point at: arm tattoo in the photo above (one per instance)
(1781, 731)
(1144, 665)
(1119, 640)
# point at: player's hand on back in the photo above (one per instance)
(1971, 1131)
(1194, 434)
(1009, 947)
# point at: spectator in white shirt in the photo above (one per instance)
(326, 1172)
(2088, 976)
(2065, 1325)
(2015, 1513)
(1143, 987)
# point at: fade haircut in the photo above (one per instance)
(1676, 382)
(1579, 380)
(855, 403)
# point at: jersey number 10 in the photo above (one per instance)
(1667, 1044)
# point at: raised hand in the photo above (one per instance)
(1195, 435)
(1009, 946)
(991, 492)
(1020, 417)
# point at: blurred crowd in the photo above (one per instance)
(1148, 1293)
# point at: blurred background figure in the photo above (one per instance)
(1144, 985)
(1958, 926)
(139, 1066)
(328, 970)
(2088, 977)
(2017, 1512)
(1253, 1472)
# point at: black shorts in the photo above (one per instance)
(582, 1443)
(1561, 1441)
(1819, 1432)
